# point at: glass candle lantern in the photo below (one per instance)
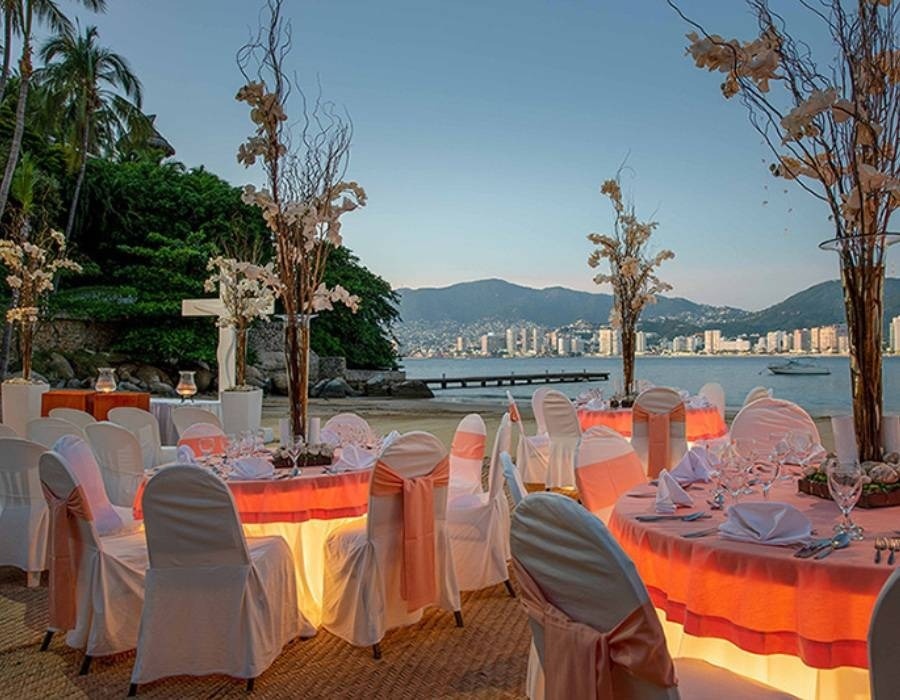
(187, 387)
(106, 380)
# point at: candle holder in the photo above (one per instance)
(106, 380)
(187, 387)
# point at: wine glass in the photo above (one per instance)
(800, 442)
(294, 449)
(768, 470)
(845, 486)
(747, 453)
(733, 471)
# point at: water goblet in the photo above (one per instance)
(845, 486)
(800, 442)
(294, 450)
(733, 471)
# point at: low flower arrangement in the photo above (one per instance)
(881, 481)
(320, 455)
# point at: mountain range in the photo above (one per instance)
(554, 307)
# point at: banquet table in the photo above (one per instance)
(701, 422)
(162, 409)
(797, 624)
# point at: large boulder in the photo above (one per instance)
(203, 378)
(279, 382)
(377, 385)
(256, 378)
(162, 389)
(336, 388)
(150, 375)
(128, 386)
(270, 360)
(412, 389)
(59, 367)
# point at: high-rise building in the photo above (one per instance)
(563, 344)
(895, 335)
(711, 341)
(828, 339)
(577, 346)
(492, 344)
(608, 341)
(801, 340)
(460, 344)
(815, 344)
(640, 343)
(537, 340)
(511, 334)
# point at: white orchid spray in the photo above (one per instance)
(632, 271)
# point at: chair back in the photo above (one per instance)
(20, 483)
(76, 456)
(207, 435)
(46, 431)
(191, 520)
(606, 466)
(73, 415)
(57, 475)
(764, 418)
(514, 483)
(884, 639)
(7, 431)
(183, 417)
(560, 415)
(515, 415)
(350, 429)
(537, 408)
(583, 572)
(121, 462)
(715, 394)
(502, 443)
(467, 451)
(144, 426)
(658, 432)
(756, 393)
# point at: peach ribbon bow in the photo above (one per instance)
(62, 554)
(659, 427)
(514, 416)
(578, 659)
(468, 445)
(418, 584)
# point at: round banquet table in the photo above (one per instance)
(303, 510)
(797, 624)
(702, 423)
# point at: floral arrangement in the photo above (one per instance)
(248, 292)
(32, 267)
(632, 272)
(320, 455)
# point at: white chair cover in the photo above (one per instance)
(715, 394)
(581, 570)
(7, 431)
(844, 433)
(658, 401)
(145, 427)
(73, 415)
(351, 429)
(23, 511)
(606, 466)
(757, 392)
(109, 590)
(884, 640)
(183, 417)
(46, 431)
(121, 462)
(478, 525)
(363, 559)
(467, 456)
(532, 453)
(565, 432)
(214, 602)
(200, 430)
(537, 408)
(763, 418)
(514, 483)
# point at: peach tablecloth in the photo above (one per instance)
(701, 423)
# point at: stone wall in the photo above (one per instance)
(71, 335)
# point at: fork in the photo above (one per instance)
(880, 545)
(893, 545)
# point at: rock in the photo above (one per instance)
(279, 382)
(35, 376)
(315, 390)
(59, 367)
(336, 388)
(128, 386)
(73, 384)
(203, 378)
(255, 378)
(149, 375)
(377, 386)
(411, 389)
(270, 361)
(162, 389)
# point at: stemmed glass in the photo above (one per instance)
(718, 450)
(800, 442)
(747, 453)
(294, 449)
(734, 473)
(845, 485)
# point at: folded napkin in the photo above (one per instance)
(352, 458)
(252, 468)
(765, 523)
(595, 405)
(669, 494)
(185, 455)
(696, 465)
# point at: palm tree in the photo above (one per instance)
(93, 85)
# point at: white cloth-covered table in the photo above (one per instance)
(162, 409)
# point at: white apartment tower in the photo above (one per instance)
(711, 341)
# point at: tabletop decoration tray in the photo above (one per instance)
(320, 456)
(881, 482)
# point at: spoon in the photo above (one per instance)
(839, 541)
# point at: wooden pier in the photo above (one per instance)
(512, 379)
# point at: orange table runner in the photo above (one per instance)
(313, 495)
(759, 597)
(701, 423)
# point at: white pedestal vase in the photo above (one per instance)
(241, 410)
(22, 403)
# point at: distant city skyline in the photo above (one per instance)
(482, 132)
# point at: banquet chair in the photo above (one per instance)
(757, 392)
(23, 511)
(214, 601)
(573, 575)
(658, 429)
(467, 456)
(118, 453)
(183, 417)
(350, 429)
(46, 431)
(565, 432)
(7, 431)
(514, 483)
(73, 415)
(532, 452)
(200, 435)
(96, 570)
(537, 408)
(606, 466)
(884, 673)
(715, 394)
(145, 427)
(478, 526)
(765, 418)
(376, 578)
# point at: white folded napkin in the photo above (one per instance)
(595, 405)
(252, 468)
(669, 495)
(765, 523)
(353, 457)
(185, 455)
(694, 466)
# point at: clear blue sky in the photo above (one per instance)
(483, 129)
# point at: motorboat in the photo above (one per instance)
(798, 367)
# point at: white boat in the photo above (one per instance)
(798, 367)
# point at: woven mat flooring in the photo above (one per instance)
(434, 659)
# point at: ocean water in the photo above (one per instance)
(821, 395)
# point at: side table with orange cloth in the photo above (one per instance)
(81, 399)
(104, 402)
(704, 423)
(798, 624)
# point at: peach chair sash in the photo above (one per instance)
(578, 658)
(601, 483)
(418, 585)
(468, 445)
(61, 555)
(659, 430)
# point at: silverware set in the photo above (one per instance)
(683, 518)
(819, 549)
(888, 544)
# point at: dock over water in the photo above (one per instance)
(512, 379)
